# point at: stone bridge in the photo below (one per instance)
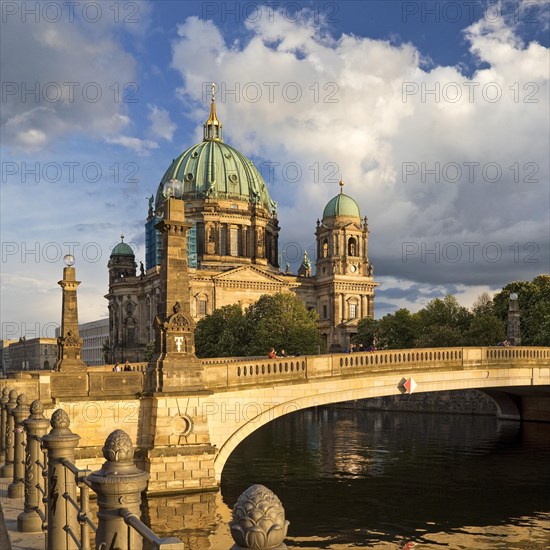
(185, 438)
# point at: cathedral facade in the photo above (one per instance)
(233, 253)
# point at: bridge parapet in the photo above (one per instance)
(233, 374)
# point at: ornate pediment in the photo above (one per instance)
(248, 274)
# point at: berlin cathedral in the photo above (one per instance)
(233, 254)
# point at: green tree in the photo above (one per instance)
(222, 334)
(483, 305)
(397, 330)
(366, 332)
(442, 323)
(485, 330)
(281, 321)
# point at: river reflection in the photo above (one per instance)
(366, 479)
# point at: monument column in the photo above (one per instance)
(513, 329)
(69, 342)
(175, 366)
(71, 379)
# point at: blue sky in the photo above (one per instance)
(434, 113)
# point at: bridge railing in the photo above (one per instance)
(231, 373)
(57, 493)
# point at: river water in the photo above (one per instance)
(367, 479)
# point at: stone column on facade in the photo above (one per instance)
(36, 425)
(371, 306)
(7, 469)
(16, 488)
(175, 366)
(3, 421)
(118, 485)
(62, 518)
(364, 306)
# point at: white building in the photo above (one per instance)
(94, 334)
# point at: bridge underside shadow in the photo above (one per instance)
(522, 403)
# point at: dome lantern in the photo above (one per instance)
(213, 127)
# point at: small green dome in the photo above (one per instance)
(341, 205)
(122, 249)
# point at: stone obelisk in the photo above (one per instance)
(174, 367)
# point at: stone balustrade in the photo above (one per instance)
(56, 492)
(231, 373)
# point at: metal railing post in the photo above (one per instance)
(3, 422)
(62, 518)
(16, 488)
(36, 426)
(118, 484)
(7, 469)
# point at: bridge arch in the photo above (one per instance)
(506, 407)
(249, 394)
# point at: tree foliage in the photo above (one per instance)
(280, 321)
(222, 334)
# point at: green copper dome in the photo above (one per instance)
(122, 249)
(213, 169)
(341, 205)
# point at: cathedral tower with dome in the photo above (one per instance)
(233, 251)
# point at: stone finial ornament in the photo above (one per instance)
(5, 391)
(118, 447)
(37, 408)
(60, 420)
(21, 399)
(13, 395)
(259, 520)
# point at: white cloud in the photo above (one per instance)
(141, 146)
(60, 79)
(352, 113)
(161, 124)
